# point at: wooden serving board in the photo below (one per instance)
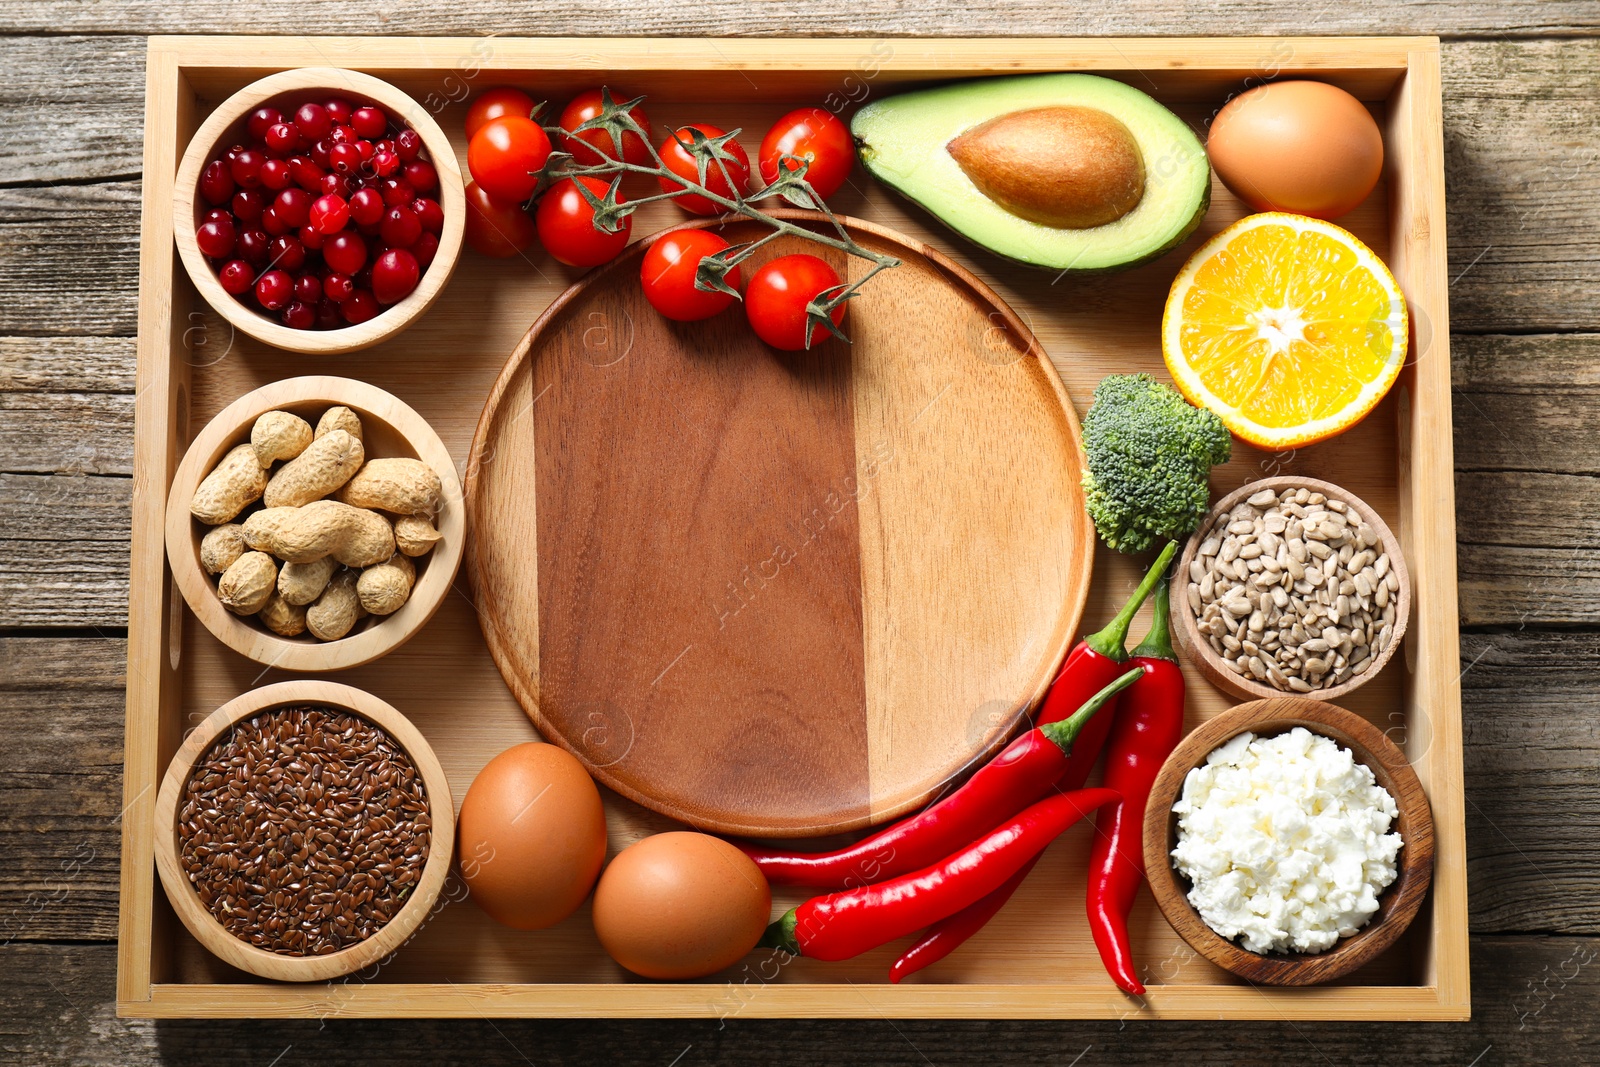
(1035, 958)
(779, 594)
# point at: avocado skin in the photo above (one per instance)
(906, 190)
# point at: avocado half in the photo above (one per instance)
(905, 142)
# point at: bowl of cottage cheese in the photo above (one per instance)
(1288, 840)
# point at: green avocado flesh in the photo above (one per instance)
(903, 141)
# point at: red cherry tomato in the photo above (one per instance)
(494, 103)
(682, 163)
(776, 300)
(496, 230)
(503, 156)
(814, 134)
(566, 225)
(668, 271)
(585, 106)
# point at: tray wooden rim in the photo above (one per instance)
(1402, 71)
(1066, 621)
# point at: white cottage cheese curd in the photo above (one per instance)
(1285, 841)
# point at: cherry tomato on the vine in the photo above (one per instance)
(668, 271)
(585, 106)
(493, 103)
(681, 162)
(504, 157)
(566, 225)
(775, 302)
(816, 135)
(496, 230)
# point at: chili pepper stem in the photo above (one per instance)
(1113, 640)
(780, 934)
(1157, 644)
(1063, 733)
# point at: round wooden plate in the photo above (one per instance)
(779, 594)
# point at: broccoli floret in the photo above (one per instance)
(1150, 454)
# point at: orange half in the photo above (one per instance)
(1288, 327)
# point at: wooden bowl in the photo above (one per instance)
(391, 429)
(223, 127)
(1197, 648)
(1399, 902)
(198, 918)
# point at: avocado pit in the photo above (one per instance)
(1061, 166)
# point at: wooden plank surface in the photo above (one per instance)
(1523, 176)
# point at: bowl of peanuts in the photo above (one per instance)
(1291, 586)
(315, 524)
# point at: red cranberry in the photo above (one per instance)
(313, 121)
(344, 158)
(300, 315)
(282, 138)
(248, 204)
(385, 161)
(274, 290)
(328, 317)
(422, 176)
(337, 287)
(429, 213)
(275, 174)
(345, 252)
(394, 276)
(216, 182)
(396, 191)
(308, 288)
(334, 185)
(261, 120)
(366, 207)
(216, 238)
(307, 175)
(311, 238)
(236, 276)
(253, 247)
(425, 249)
(218, 214)
(359, 308)
(246, 167)
(319, 153)
(342, 135)
(339, 110)
(369, 122)
(401, 227)
(408, 144)
(287, 252)
(293, 206)
(329, 214)
(366, 151)
(272, 223)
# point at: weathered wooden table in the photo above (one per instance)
(1522, 136)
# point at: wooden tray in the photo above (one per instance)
(779, 595)
(1036, 958)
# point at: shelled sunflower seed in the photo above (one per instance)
(1292, 589)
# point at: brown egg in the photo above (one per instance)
(681, 905)
(1299, 146)
(531, 836)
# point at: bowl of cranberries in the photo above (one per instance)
(319, 210)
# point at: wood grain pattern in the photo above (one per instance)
(1397, 905)
(394, 933)
(796, 670)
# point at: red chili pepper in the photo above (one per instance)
(1028, 769)
(845, 924)
(1094, 658)
(1021, 774)
(1144, 735)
